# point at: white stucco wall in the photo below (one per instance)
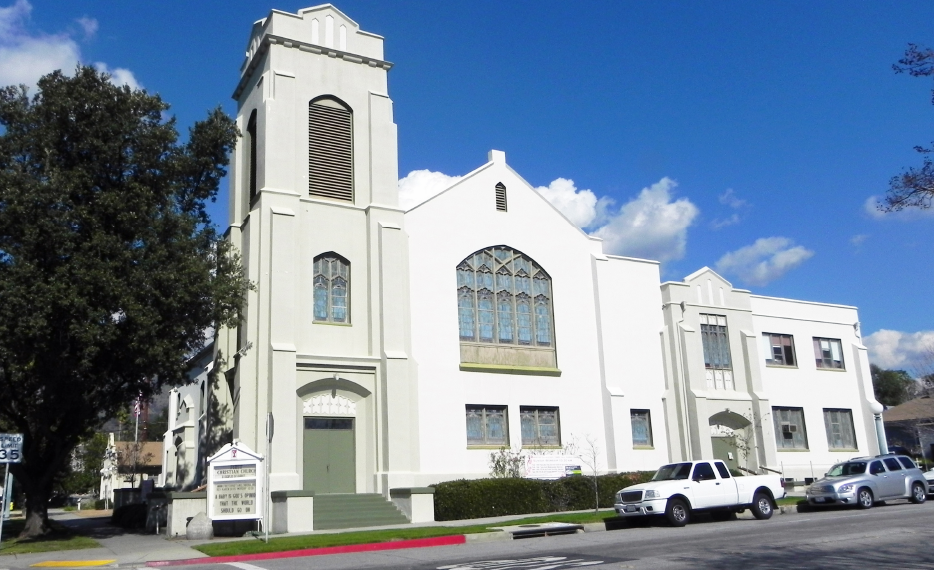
(815, 389)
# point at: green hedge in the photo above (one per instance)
(479, 498)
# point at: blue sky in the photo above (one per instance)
(748, 137)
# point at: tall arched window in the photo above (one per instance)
(332, 288)
(251, 165)
(504, 298)
(330, 149)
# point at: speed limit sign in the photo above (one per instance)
(11, 447)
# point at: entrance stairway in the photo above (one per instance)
(353, 510)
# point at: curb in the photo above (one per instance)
(396, 545)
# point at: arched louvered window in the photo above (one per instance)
(332, 289)
(504, 298)
(330, 150)
(251, 166)
(500, 196)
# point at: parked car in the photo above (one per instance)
(679, 490)
(865, 480)
(929, 476)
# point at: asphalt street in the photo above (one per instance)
(888, 536)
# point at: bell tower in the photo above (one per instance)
(324, 342)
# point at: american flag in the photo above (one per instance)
(138, 404)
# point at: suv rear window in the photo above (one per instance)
(907, 463)
(892, 464)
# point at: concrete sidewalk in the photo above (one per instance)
(118, 546)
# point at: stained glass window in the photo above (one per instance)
(331, 289)
(487, 425)
(539, 426)
(504, 297)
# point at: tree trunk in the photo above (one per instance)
(37, 514)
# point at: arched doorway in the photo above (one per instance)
(732, 438)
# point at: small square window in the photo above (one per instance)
(779, 349)
(540, 426)
(828, 353)
(487, 425)
(641, 428)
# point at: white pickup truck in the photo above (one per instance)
(680, 489)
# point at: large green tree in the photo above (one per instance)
(913, 188)
(110, 269)
(891, 387)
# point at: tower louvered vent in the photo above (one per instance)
(330, 151)
(500, 197)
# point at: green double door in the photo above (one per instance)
(725, 449)
(329, 465)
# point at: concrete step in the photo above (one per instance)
(355, 510)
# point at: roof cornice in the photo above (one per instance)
(270, 39)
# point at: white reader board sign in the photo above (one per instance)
(235, 483)
(552, 466)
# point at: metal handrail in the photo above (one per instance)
(770, 469)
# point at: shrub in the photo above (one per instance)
(130, 516)
(479, 498)
(100, 504)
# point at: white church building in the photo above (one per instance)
(397, 348)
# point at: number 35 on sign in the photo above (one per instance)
(11, 447)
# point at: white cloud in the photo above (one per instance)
(88, 25)
(902, 350)
(25, 57)
(118, 76)
(764, 261)
(859, 239)
(652, 225)
(729, 198)
(871, 208)
(731, 221)
(420, 185)
(579, 206)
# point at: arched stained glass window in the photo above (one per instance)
(504, 298)
(332, 288)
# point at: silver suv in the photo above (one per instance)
(864, 480)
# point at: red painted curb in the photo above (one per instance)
(396, 545)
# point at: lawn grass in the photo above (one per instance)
(790, 501)
(375, 536)
(60, 539)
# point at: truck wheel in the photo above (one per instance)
(864, 498)
(761, 506)
(677, 512)
(918, 494)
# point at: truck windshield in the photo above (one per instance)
(673, 471)
(848, 468)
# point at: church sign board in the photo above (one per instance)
(235, 483)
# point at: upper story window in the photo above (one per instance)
(780, 349)
(716, 341)
(504, 297)
(251, 164)
(332, 286)
(828, 353)
(330, 149)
